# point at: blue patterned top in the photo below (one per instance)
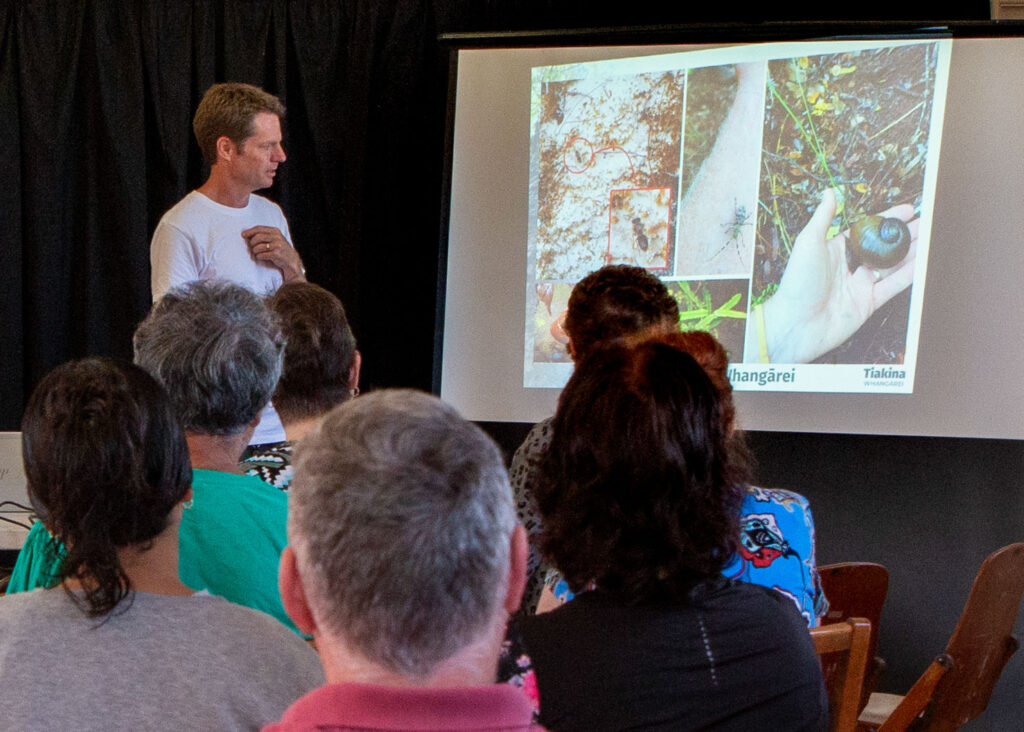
(776, 551)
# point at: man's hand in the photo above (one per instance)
(267, 244)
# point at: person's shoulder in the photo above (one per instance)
(541, 432)
(32, 625)
(258, 202)
(31, 603)
(259, 490)
(184, 207)
(36, 535)
(218, 629)
(239, 482)
(235, 626)
(535, 443)
(760, 602)
(38, 561)
(182, 220)
(773, 496)
(246, 498)
(30, 616)
(244, 621)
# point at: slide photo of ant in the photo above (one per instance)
(607, 164)
(639, 221)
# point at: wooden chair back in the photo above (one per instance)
(956, 687)
(844, 645)
(857, 590)
(982, 642)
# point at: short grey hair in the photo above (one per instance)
(217, 350)
(400, 515)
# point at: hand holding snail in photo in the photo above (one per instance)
(832, 285)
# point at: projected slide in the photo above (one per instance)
(784, 193)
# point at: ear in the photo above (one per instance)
(293, 594)
(353, 370)
(225, 148)
(518, 550)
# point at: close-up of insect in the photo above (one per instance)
(733, 229)
(638, 234)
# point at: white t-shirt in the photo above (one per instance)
(200, 239)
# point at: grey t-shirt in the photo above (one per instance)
(196, 662)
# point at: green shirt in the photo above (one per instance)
(230, 542)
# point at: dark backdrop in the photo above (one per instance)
(96, 99)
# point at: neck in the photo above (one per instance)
(153, 566)
(217, 452)
(474, 665)
(155, 569)
(221, 189)
(295, 430)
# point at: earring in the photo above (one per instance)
(354, 391)
(188, 504)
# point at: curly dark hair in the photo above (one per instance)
(106, 461)
(318, 353)
(616, 301)
(640, 489)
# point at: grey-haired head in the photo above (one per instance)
(400, 516)
(217, 350)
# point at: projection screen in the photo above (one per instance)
(841, 214)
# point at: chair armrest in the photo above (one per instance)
(919, 696)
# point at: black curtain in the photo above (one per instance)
(96, 102)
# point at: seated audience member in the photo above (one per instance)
(776, 547)
(122, 643)
(612, 303)
(620, 302)
(404, 561)
(217, 351)
(321, 370)
(639, 493)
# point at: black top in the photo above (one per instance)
(736, 657)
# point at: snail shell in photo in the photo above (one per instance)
(877, 242)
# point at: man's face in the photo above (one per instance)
(257, 157)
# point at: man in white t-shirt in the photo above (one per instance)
(222, 230)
